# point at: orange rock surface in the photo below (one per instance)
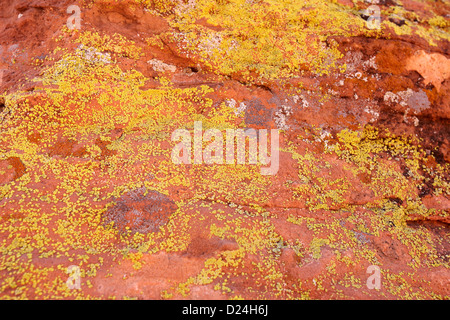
(92, 205)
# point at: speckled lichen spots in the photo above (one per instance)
(268, 47)
(116, 44)
(86, 177)
(372, 151)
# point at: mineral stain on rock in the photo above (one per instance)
(140, 211)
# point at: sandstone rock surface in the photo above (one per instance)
(87, 181)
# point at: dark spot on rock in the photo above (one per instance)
(364, 16)
(396, 200)
(429, 86)
(193, 69)
(257, 113)
(2, 104)
(423, 192)
(406, 172)
(397, 21)
(439, 156)
(140, 211)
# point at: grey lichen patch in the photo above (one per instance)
(418, 101)
(257, 113)
(140, 211)
(281, 117)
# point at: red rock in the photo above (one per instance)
(364, 151)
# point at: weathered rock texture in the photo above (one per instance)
(140, 211)
(87, 179)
